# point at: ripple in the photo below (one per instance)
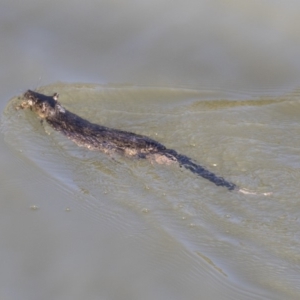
(250, 141)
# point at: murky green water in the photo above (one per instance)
(249, 241)
(215, 80)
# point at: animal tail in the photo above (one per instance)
(199, 170)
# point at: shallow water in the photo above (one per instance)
(249, 241)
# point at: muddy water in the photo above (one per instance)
(215, 80)
(196, 237)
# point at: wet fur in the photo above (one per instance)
(109, 140)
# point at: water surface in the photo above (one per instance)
(250, 241)
(215, 80)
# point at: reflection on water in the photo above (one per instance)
(248, 241)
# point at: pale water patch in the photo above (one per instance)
(249, 241)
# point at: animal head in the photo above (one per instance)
(44, 106)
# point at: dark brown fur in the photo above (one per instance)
(108, 140)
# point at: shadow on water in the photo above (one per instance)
(251, 240)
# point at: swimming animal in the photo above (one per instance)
(109, 140)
